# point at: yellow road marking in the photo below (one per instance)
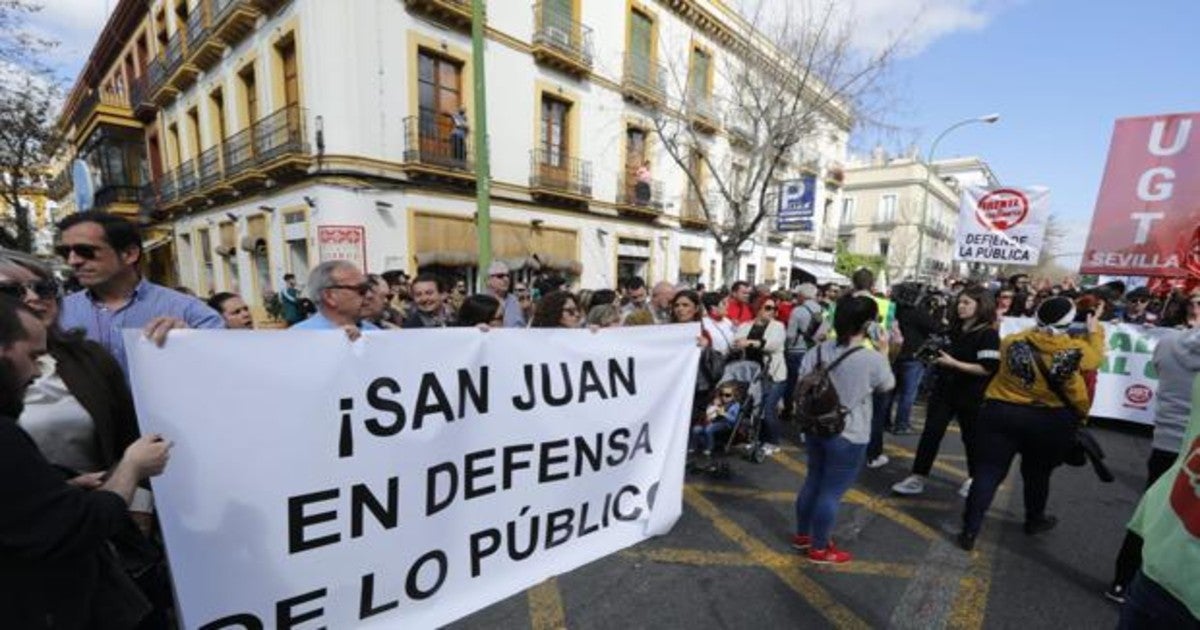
(872, 503)
(789, 572)
(694, 557)
(970, 603)
(546, 607)
(899, 451)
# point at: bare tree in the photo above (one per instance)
(29, 95)
(781, 87)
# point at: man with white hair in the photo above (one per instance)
(660, 302)
(498, 282)
(339, 289)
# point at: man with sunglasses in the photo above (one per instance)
(1137, 309)
(498, 282)
(339, 289)
(105, 252)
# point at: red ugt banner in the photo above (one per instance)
(1147, 220)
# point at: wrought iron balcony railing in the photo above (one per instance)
(434, 141)
(238, 152)
(559, 32)
(634, 193)
(173, 57)
(185, 178)
(644, 80)
(116, 194)
(702, 109)
(280, 134)
(553, 171)
(209, 164)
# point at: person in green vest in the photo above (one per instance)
(1166, 592)
(878, 334)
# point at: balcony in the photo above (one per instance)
(237, 153)
(740, 134)
(638, 199)
(141, 93)
(845, 229)
(172, 62)
(455, 13)
(560, 41)
(103, 106)
(691, 213)
(186, 181)
(149, 198)
(209, 168)
(884, 225)
(267, 6)
(556, 175)
(644, 81)
(432, 149)
(280, 144)
(203, 50)
(703, 113)
(115, 195)
(232, 20)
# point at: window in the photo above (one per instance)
(295, 235)
(173, 147)
(887, 209)
(207, 280)
(698, 84)
(848, 207)
(439, 95)
(193, 117)
(217, 108)
(752, 274)
(291, 79)
(640, 38)
(229, 257)
(884, 247)
(554, 132)
(250, 94)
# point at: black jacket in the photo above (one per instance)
(55, 568)
(916, 325)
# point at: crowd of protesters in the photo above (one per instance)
(78, 540)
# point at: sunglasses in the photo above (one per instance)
(86, 252)
(361, 289)
(44, 289)
(726, 394)
(768, 307)
(499, 275)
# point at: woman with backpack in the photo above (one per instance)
(963, 372)
(834, 407)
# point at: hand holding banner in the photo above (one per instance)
(412, 477)
(1002, 225)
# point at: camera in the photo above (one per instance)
(929, 351)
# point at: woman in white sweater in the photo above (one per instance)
(762, 340)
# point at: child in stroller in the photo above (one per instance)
(721, 416)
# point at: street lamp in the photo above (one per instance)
(988, 119)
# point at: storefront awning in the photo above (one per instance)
(823, 273)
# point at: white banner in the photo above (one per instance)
(412, 477)
(1002, 225)
(1126, 383)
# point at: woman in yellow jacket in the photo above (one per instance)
(1022, 414)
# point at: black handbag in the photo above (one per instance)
(1084, 446)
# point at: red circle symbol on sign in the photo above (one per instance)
(1002, 209)
(1138, 394)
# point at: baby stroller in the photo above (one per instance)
(751, 379)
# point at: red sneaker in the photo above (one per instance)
(832, 555)
(801, 542)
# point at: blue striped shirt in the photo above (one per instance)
(103, 325)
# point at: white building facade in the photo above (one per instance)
(279, 134)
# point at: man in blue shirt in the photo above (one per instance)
(339, 290)
(104, 251)
(498, 282)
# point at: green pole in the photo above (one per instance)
(483, 178)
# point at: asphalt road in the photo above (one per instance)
(727, 563)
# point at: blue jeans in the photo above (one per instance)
(770, 429)
(879, 412)
(708, 433)
(909, 373)
(1148, 605)
(833, 465)
(793, 359)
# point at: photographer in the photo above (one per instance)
(917, 321)
(963, 375)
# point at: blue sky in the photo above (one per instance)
(1059, 72)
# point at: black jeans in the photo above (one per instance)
(1149, 605)
(1041, 435)
(1129, 559)
(944, 407)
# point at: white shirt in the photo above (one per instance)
(721, 333)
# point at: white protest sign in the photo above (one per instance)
(412, 477)
(1002, 225)
(1126, 383)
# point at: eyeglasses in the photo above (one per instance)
(44, 289)
(86, 252)
(499, 275)
(769, 307)
(361, 289)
